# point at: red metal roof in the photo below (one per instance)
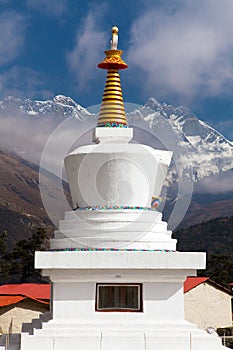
(30, 290)
(6, 300)
(192, 282)
(10, 299)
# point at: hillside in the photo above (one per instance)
(214, 237)
(199, 213)
(21, 207)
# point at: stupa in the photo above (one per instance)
(117, 279)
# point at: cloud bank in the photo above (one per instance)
(220, 183)
(185, 51)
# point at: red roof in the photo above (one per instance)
(30, 290)
(10, 299)
(6, 300)
(192, 282)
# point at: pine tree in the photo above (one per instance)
(23, 253)
(18, 265)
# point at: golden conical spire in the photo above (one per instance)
(112, 111)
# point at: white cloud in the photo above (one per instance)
(22, 83)
(12, 29)
(185, 51)
(219, 183)
(51, 7)
(88, 48)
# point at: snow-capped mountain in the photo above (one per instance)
(199, 150)
(59, 105)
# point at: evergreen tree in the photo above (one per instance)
(219, 268)
(18, 265)
(4, 255)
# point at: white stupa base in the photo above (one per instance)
(113, 228)
(166, 336)
(76, 323)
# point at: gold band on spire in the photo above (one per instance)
(112, 112)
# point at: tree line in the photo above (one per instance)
(214, 237)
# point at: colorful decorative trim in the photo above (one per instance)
(110, 250)
(112, 125)
(116, 207)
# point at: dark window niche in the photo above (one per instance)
(119, 297)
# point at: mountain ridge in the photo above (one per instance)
(203, 150)
(199, 150)
(59, 104)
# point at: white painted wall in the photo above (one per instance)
(161, 302)
(208, 306)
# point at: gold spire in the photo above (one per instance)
(112, 112)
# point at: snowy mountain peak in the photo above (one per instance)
(68, 101)
(60, 105)
(167, 110)
(153, 103)
(199, 149)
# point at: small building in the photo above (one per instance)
(20, 303)
(206, 303)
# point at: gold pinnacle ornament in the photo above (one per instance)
(112, 111)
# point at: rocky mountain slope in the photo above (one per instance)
(198, 213)
(21, 207)
(211, 198)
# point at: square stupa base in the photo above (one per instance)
(77, 325)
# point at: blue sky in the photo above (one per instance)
(178, 51)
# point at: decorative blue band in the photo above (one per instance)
(116, 207)
(111, 250)
(112, 125)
